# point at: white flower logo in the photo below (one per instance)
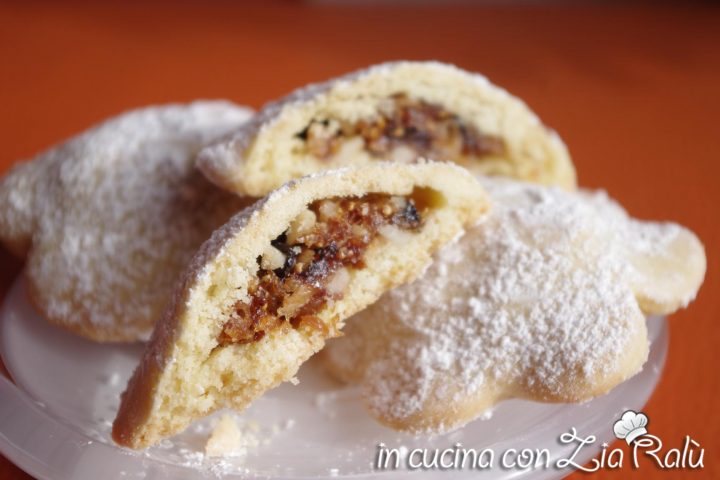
(631, 426)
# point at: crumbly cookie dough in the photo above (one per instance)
(272, 285)
(399, 112)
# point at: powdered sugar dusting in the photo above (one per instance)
(668, 261)
(115, 214)
(533, 299)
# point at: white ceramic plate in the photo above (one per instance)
(55, 420)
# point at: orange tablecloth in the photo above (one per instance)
(633, 91)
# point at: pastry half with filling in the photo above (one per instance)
(399, 112)
(269, 287)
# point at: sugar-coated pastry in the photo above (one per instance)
(397, 111)
(110, 218)
(544, 299)
(269, 287)
(667, 261)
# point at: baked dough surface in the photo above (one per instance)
(273, 147)
(110, 218)
(544, 299)
(187, 372)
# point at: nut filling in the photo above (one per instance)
(406, 128)
(308, 265)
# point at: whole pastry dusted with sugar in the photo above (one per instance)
(269, 287)
(544, 299)
(109, 219)
(398, 111)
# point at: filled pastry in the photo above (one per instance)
(109, 219)
(270, 286)
(544, 299)
(395, 112)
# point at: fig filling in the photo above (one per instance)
(309, 264)
(404, 129)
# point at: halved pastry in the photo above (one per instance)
(398, 111)
(269, 287)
